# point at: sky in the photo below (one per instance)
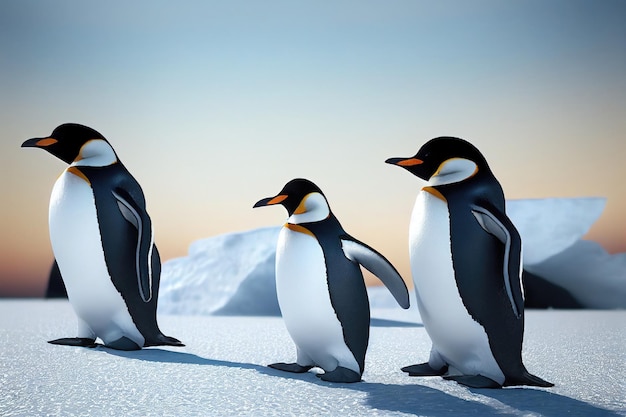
(215, 105)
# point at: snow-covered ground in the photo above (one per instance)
(220, 300)
(222, 370)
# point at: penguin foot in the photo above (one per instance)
(290, 367)
(123, 343)
(529, 379)
(163, 340)
(340, 374)
(424, 369)
(474, 381)
(75, 341)
(172, 341)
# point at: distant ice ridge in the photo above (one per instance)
(227, 274)
(233, 274)
(594, 277)
(551, 231)
(548, 226)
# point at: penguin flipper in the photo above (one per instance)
(424, 369)
(474, 381)
(290, 367)
(136, 214)
(498, 224)
(75, 341)
(377, 264)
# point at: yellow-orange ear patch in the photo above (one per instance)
(301, 209)
(46, 142)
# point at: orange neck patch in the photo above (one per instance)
(435, 192)
(78, 173)
(299, 229)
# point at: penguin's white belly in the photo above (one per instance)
(460, 341)
(304, 300)
(77, 246)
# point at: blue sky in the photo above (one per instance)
(213, 105)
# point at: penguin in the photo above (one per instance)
(320, 287)
(103, 242)
(466, 262)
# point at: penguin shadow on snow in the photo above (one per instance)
(374, 322)
(422, 400)
(410, 398)
(406, 398)
(168, 356)
(546, 403)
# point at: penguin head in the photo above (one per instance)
(304, 201)
(444, 160)
(77, 145)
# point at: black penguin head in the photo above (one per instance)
(304, 201)
(72, 142)
(444, 160)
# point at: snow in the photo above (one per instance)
(233, 274)
(222, 370)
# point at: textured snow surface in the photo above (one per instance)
(233, 274)
(222, 372)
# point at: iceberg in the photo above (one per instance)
(548, 226)
(551, 231)
(594, 277)
(230, 274)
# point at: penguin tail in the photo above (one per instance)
(162, 340)
(528, 379)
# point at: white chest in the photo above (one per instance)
(77, 246)
(74, 231)
(431, 258)
(456, 337)
(301, 283)
(302, 289)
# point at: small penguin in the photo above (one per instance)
(103, 242)
(320, 287)
(466, 265)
